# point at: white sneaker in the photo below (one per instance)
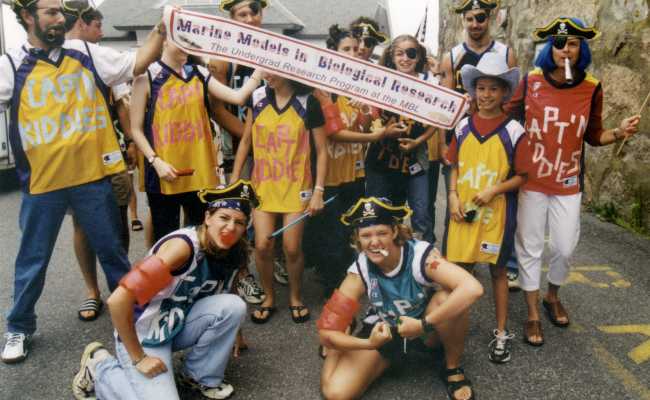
(513, 281)
(280, 270)
(250, 290)
(15, 348)
(500, 346)
(83, 385)
(222, 391)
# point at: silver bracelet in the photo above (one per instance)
(161, 33)
(615, 135)
(322, 189)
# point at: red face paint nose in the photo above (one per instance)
(228, 238)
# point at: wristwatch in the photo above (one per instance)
(428, 326)
(150, 159)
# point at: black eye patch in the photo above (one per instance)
(559, 42)
(255, 7)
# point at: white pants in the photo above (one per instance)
(563, 216)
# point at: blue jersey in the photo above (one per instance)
(158, 321)
(406, 291)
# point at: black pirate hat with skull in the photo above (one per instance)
(373, 211)
(367, 30)
(566, 27)
(473, 5)
(240, 196)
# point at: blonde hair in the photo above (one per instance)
(404, 234)
(239, 253)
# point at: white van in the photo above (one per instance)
(6, 156)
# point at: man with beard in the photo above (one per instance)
(476, 19)
(65, 148)
(231, 118)
(84, 22)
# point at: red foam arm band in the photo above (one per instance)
(147, 279)
(338, 312)
(374, 111)
(333, 121)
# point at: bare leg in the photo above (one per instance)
(348, 374)
(451, 335)
(292, 239)
(264, 223)
(501, 293)
(133, 205)
(148, 232)
(533, 312)
(87, 262)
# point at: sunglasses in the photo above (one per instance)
(410, 52)
(480, 18)
(470, 215)
(369, 42)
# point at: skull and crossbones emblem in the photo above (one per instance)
(562, 30)
(366, 31)
(244, 192)
(475, 5)
(369, 210)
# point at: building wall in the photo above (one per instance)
(621, 61)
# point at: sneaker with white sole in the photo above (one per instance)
(222, 391)
(250, 290)
(513, 281)
(15, 348)
(280, 270)
(500, 346)
(83, 384)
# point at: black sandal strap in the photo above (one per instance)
(453, 387)
(454, 371)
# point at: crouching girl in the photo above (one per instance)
(418, 300)
(181, 293)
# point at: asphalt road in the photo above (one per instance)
(603, 354)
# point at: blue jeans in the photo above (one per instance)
(322, 242)
(400, 189)
(210, 327)
(41, 215)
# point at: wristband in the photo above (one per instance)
(160, 32)
(437, 74)
(452, 191)
(258, 81)
(127, 142)
(615, 135)
(136, 362)
(322, 189)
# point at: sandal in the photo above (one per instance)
(260, 320)
(300, 319)
(555, 312)
(90, 305)
(353, 326)
(453, 387)
(533, 328)
(136, 225)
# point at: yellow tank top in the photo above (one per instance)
(177, 127)
(61, 130)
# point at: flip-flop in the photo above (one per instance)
(260, 321)
(300, 319)
(136, 225)
(90, 305)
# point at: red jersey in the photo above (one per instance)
(559, 119)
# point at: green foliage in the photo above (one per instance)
(609, 212)
(606, 212)
(635, 220)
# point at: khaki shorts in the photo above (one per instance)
(122, 187)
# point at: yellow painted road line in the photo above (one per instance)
(640, 353)
(631, 383)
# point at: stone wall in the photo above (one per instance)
(621, 61)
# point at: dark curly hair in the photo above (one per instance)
(364, 20)
(337, 35)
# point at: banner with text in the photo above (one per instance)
(215, 37)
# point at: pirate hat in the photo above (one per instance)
(227, 5)
(17, 5)
(367, 30)
(472, 5)
(566, 27)
(240, 196)
(491, 65)
(78, 8)
(373, 211)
